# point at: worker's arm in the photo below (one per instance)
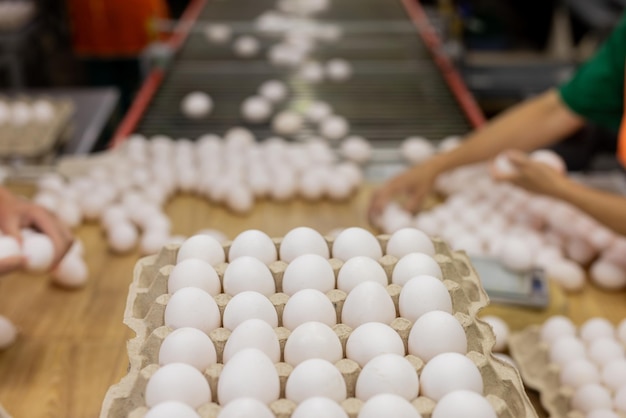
(607, 208)
(535, 123)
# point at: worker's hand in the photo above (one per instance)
(17, 213)
(409, 188)
(533, 176)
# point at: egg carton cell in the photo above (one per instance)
(148, 299)
(532, 355)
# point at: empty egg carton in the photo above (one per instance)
(532, 357)
(148, 298)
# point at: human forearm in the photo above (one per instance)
(607, 208)
(535, 123)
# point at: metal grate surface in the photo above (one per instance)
(396, 90)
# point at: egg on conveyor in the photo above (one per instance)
(334, 127)
(312, 71)
(338, 70)
(218, 33)
(357, 149)
(317, 111)
(196, 105)
(273, 90)
(246, 46)
(287, 122)
(256, 109)
(417, 149)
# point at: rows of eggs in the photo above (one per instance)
(19, 113)
(309, 340)
(522, 229)
(591, 363)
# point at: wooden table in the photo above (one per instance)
(72, 345)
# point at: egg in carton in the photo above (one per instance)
(532, 355)
(148, 297)
(31, 127)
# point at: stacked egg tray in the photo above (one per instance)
(148, 298)
(532, 357)
(34, 138)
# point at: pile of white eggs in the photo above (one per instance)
(591, 363)
(127, 193)
(18, 113)
(523, 230)
(389, 372)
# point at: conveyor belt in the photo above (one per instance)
(396, 90)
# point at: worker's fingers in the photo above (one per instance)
(9, 264)
(518, 158)
(59, 234)
(415, 201)
(378, 202)
(10, 225)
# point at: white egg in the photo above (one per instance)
(502, 166)
(253, 243)
(302, 240)
(368, 302)
(318, 111)
(434, 333)
(274, 91)
(604, 350)
(448, 372)
(245, 407)
(256, 109)
(357, 149)
(9, 247)
(308, 305)
(248, 305)
(42, 110)
(170, 409)
(500, 330)
(248, 374)
(334, 127)
(178, 382)
(8, 333)
(338, 69)
(578, 373)
(360, 269)
(415, 264)
(352, 242)
(315, 377)
(373, 339)
(607, 275)
(549, 158)
(311, 71)
(338, 186)
(194, 272)
(613, 374)
(308, 271)
(596, 328)
(218, 33)
(423, 294)
(39, 252)
(388, 405)
(417, 149)
(515, 254)
(202, 247)
(196, 105)
(312, 340)
(318, 406)
(21, 113)
(409, 240)
(68, 211)
(566, 273)
(253, 333)
(190, 346)
(248, 273)
(246, 46)
(192, 307)
(388, 373)
(287, 122)
(566, 350)
(463, 404)
(71, 272)
(590, 397)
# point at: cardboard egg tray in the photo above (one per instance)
(148, 297)
(532, 357)
(35, 139)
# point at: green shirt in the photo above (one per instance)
(596, 92)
